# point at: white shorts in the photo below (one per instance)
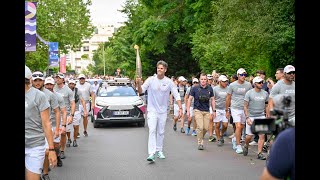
(69, 127)
(191, 112)
(220, 116)
(87, 108)
(55, 140)
(176, 109)
(248, 127)
(238, 116)
(34, 158)
(76, 118)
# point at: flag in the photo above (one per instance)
(30, 11)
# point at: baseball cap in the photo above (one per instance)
(195, 80)
(257, 79)
(81, 76)
(72, 81)
(27, 72)
(37, 75)
(288, 69)
(181, 78)
(49, 80)
(241, 70)
(60, 75)
(209, 76)
(222, 78)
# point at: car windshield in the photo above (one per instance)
(116, 91)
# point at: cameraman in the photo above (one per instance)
(281, 160)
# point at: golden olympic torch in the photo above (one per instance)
(138, 63)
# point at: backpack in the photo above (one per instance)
(184, 91)
(76, 96)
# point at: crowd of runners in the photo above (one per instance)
(56, 105)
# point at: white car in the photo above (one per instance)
(118, 102)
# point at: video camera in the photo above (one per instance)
(279, 118)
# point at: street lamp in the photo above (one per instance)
(104, 62)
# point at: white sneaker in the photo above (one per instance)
(239, 149)
(234, 144)
(253, 143)
(231, 136)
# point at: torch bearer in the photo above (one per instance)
(138, 62)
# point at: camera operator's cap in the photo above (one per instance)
(60, 75)
(81, 76)
(257, 79)
(49, 80)
(209, 76)
(241, 70)
(222, 78)
(72, 81)
(181, 78)
(289, 68)
(27, 73)
(195, 80)
(37, 75)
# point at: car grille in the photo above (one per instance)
(134, 112)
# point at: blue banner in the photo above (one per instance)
(53, 54)
(30, 10)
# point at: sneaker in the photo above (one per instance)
(45, 177)
(59, 161)
(231, 136)
(62, 156)
(182, 130)
(151, 158)
(75, 144)
(187, 131)
(200, 147)
(194, 133)
(78, 136)
(253, 143)
(175, 127)
(234, 143)
(85, 133)
(211, 139)
(239, 149)
(68, 143)
(222, 139)
(245, 150)
(261, 156)
(219, 143)
(160, 155)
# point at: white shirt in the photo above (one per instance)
(158, 93)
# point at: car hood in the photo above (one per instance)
(128, 100)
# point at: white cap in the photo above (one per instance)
(209, 76)
(222, 78)
(257, 79)
(195, 80)
(181, 78)
(241, 70)
(72, 81)
(27, 73)
(49, 80)
(60, 75)
(288, 69)
(37, 75)
(81, 76)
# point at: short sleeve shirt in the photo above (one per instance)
(257, 102)
(196, 92)
(238, 92)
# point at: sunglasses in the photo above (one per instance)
(224, 81)
(291, 72)
(243, 74)
(37, 75)
(261, 82)
(81, 78)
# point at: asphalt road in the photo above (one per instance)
(120, 152)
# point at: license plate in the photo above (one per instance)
(120, 112)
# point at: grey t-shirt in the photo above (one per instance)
(289, 90)
(61, 105)
(188, 93)
(35, 103)
(85, 90)
(220, 95)
(257, 102)
(67, 95)
(53, 101)
(182, 91)
(237, 92)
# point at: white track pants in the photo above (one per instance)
(156, 124)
